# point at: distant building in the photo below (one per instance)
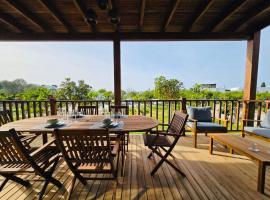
(208, 85)
(263, 89)
(212, 87)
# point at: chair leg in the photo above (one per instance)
(164, 159)
(41, 193)
(167, 151)
(3, 184)
(195, 139)
(15, 179)
(151, 153)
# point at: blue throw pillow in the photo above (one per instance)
(266, 120)
(202, 114)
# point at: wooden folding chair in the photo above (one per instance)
(88, 151)
(159, 141)
(125, 111)
(88, 110)
(16, 159)
(27, 139)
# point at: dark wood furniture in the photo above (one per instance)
(16, 159)
(132, 123)
(88, 151)
(157, 141)
(124, 111)
(195, 129)
(88, 110)
(27, 139)
(119, 108)
(241, 146)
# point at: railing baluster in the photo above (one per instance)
(169, 112)
(214, 110)
(163, 109)
(11, 110)
(40, 108)
(231, 116)
(35, 109)
(132, 106)
(151, 109)
(139, 108)
(17, 110)
(46, 108)
(144, 108)
(22, 109)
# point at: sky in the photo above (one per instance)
(190, 62)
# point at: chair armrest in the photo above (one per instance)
(244, 122)
(168, 134)
(157, 132)
(42, 148)
(25, 138)
(251, 120)
(192, 120)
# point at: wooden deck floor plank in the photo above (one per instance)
(142, 189)
(235, 176)
(151, 194)
(221, 176)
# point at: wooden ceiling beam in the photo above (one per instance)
(142, 11)
(256, 10)
(261, 25)
(170, 14)
(56, 14)
(138, 36)
(9, 20)
(33, 18)
(82, 9)
(195, 18)
(226, 15)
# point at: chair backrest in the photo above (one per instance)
(88, 110)
(119, 108)
(88, 146)
(12, 150)
(5, 117)
(177, 125)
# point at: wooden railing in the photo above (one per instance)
(162, 110)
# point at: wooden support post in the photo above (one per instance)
(252, 60)
(117, 71)
(53, 106)
(184, 105)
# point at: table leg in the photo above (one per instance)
(211, 145)
(261, 177)
(44, 138)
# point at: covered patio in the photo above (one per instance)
(222, 176)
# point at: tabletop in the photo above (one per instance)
(130, 123)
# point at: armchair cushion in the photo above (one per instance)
(202, 114)
(208, 126)
(266, 121)
(265, 132)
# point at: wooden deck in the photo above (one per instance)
(219, 176)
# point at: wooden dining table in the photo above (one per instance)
(131, 123)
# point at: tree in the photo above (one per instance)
(197, 88)
(263, 84)
(167, 88)
(69, 90)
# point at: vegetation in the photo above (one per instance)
(68, 89)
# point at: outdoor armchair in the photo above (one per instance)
(158, 141)
(88, 151)
(262, 130)
(26, 138)
(201, 121)
(15, 159)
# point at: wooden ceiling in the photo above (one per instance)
(139, 19)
